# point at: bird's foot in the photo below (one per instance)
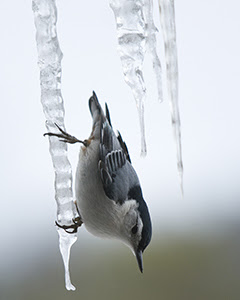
(65, 137)
(77, 223)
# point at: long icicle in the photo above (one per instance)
(167, 17)
(49, 61)
(136, 34)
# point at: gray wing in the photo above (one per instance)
(117, 173)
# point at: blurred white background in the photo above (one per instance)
(209, 100)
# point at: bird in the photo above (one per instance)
(109, 197)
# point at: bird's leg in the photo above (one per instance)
(66, 137)
(75, 202)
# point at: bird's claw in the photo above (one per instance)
(77, 223)
(64, 136)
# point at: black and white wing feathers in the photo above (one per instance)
(117, 173)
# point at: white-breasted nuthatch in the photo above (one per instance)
(108, 192)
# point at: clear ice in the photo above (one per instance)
(136, 34)
(49, 61)
(167, 17)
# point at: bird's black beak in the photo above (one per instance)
(138, 254)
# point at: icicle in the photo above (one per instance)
(49, 60)
(136, 34)
(167, 16)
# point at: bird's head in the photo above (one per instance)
(137, 228)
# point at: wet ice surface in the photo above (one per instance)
(49, 61)
(136, 35)
(167, 17)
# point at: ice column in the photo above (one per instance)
(167, 17)
(136, 35)
(49, 61)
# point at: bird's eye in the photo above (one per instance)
(135, 229)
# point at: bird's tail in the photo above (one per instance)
(95, 108)
(98, 115)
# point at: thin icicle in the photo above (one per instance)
(136, 34)
(49, 61)
(167, 16)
